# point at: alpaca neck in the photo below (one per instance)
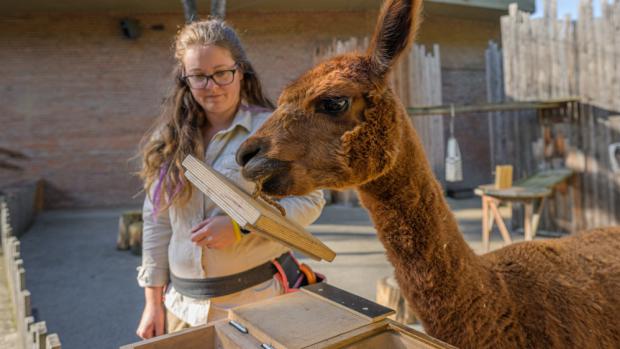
(434, 266)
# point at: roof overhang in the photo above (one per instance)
(462, 8)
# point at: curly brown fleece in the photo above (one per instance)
(340, 126)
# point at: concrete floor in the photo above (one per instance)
(86, 290)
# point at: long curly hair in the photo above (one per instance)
(178, 130)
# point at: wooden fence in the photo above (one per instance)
(416, 79)
(32, 335)
(551, 58)
(535, 136)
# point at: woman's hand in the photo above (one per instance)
(152, 321)
(215, 232)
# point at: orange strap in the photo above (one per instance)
(310, 275)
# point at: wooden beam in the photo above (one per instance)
(488, 107)
(189, 8)
(218, 8)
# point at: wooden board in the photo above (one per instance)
(296, 320)
(513, 193)
(546, 179)
(253, 214)
(383, 334)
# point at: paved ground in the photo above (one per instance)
(86, 290)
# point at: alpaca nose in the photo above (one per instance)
(249, 149)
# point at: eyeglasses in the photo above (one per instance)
(220, 78)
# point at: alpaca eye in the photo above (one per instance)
(333, 105)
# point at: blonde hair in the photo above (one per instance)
(177, 133)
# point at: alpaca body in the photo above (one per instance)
(540, 294)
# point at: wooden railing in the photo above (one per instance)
(31, 334)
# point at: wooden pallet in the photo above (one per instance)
(253, 214)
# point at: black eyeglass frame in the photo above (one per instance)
(210, 77)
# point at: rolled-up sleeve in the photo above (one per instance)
(156, 234)
(304, 210)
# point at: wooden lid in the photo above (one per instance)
(253, 214)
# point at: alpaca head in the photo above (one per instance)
(336, 126)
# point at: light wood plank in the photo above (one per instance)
(296, 320)
(253, 214)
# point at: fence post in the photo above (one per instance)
(52, 341)
(39, 333)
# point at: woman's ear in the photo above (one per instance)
(396, 27)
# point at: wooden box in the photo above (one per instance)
(318, 316)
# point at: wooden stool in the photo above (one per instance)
(492, 197)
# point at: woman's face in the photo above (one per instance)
(207, 60)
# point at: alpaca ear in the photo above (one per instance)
(396, 28)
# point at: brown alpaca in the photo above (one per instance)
(340, 126)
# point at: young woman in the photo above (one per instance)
(196, 262)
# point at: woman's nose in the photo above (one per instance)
(249, 149)
(210, 84)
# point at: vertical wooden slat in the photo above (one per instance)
(31, 334)
(556, 58)
(27, 338)
(52, 342)
(591, 168)
(614, 134)
(39, 331)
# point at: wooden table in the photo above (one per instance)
(532, 191)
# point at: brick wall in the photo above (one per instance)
(76, 96)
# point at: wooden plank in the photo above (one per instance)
(546, 179)
(590, 187)
(489, 107)
(26, 334)
(500, 143)
(52, 341)
(500, 222)
(253, 214)
(384, 334)
(196, 337)
(503, 176)
(39, 330)
(268, 227)
(604, 164)
(351, 338)
(228, 337)
(614, 137)
(296, 320)
(616, 56)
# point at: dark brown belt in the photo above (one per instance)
(225, 285)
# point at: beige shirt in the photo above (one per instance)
(166, 238)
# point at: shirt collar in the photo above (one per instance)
(243, 118)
